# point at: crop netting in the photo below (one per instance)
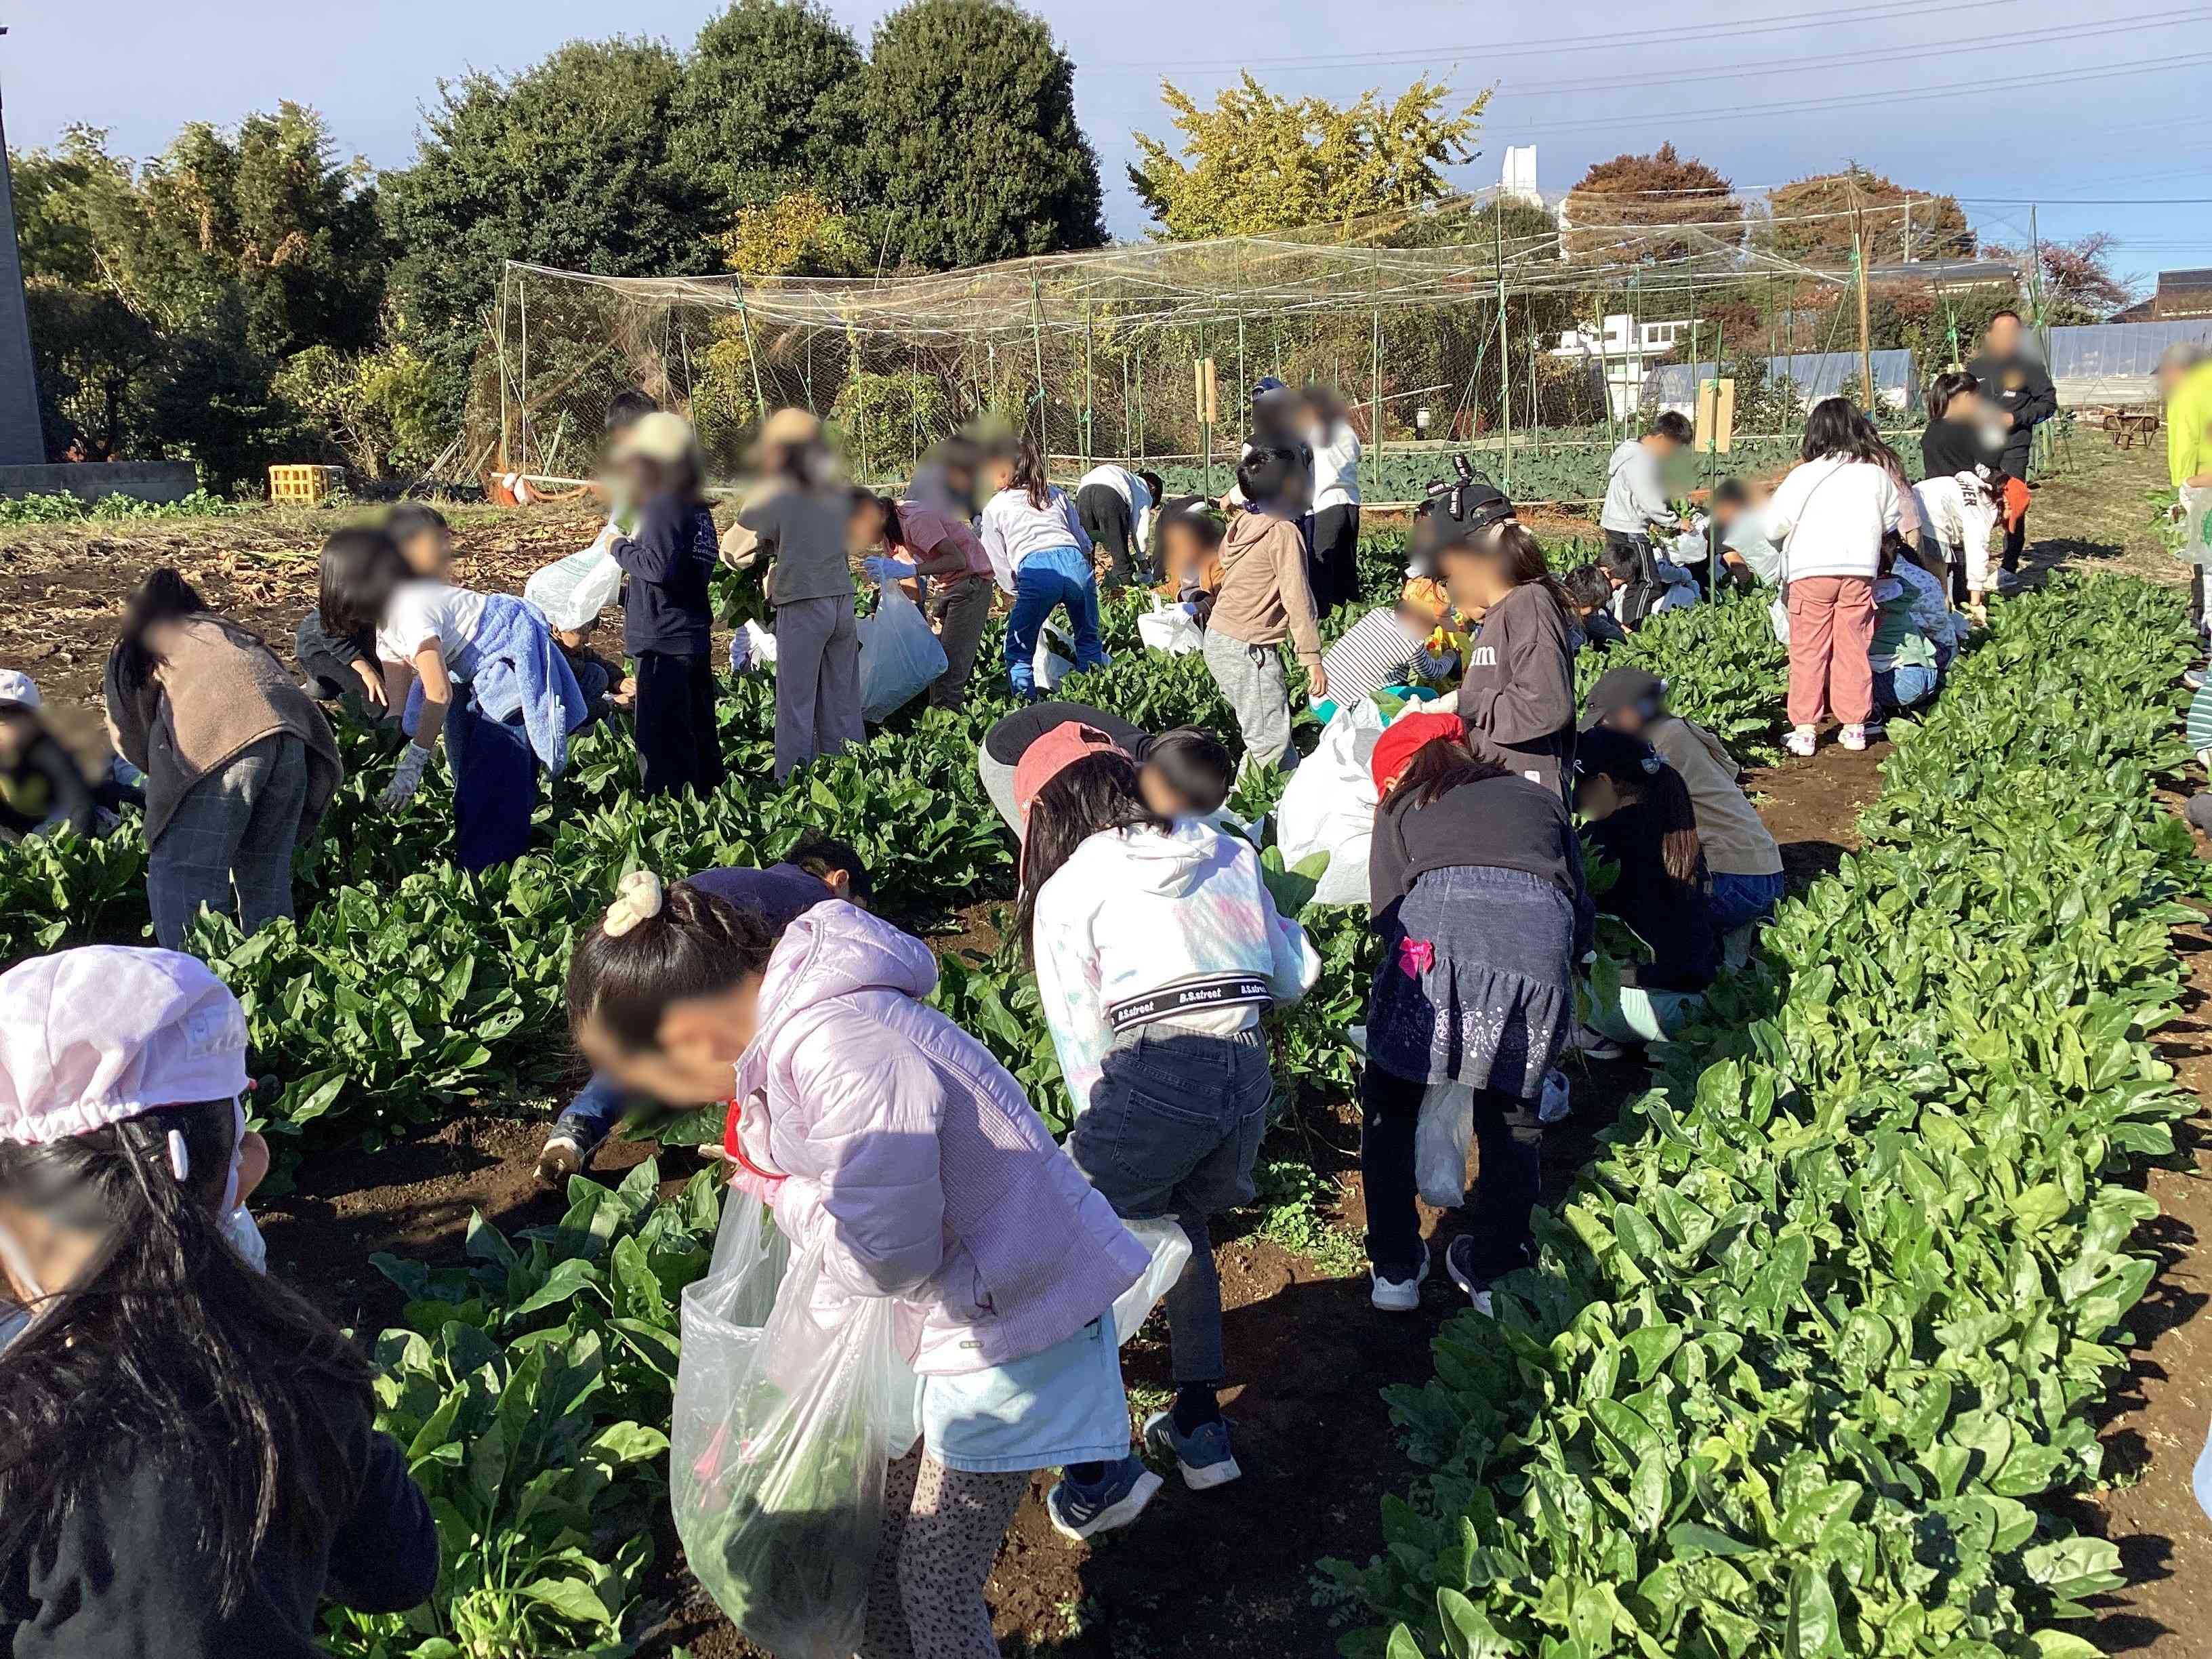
(1436, 329)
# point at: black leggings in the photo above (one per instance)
(1333, 565)
(1105, 517)
(1511, 1137)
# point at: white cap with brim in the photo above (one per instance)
(100, 1035)
(19, 688)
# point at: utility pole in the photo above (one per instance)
(21, 442)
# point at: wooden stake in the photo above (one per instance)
(1859, 257)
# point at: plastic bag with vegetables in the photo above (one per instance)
(783, 1431)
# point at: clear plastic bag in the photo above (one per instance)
(900, 657)
(572, 591)
(1170, 1248)
(1049, 667)
(784, 1428)
(1441, 1137)
(1328, 805)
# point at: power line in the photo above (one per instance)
(1910, 94)
(1774, 24)
(1729, 71)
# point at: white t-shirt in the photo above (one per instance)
(1130, 489)
(1336, 451)
(422, 612)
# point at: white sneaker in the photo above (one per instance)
(1399, 1295)
(1595, 1044)
(1801, 742)
(1853, 736)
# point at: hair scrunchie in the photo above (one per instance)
(637, 899)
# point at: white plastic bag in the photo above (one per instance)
(760, 646)
(783, 1431)
(1328, 805)
(2196, 525)
(1170, 1248)
(1441, 1135)
(1171, 628)
(900, 657)
(572, 591)
(1048, 665)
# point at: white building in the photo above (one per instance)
(1623, 350)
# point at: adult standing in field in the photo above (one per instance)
(2184, 381)
(1829, 517)
(2021, 397)
(798, 520)
(1115, 507)
(1041, 554)
(238, 758)
(1635, 501)
(920, 542)
(1333, 566)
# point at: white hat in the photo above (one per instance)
(17, 687)
(93, 1037)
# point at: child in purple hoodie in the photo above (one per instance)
(864, 1114)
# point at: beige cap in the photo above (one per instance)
(660, 436)
(787, 427)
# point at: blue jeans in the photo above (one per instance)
(592, 1114)
(1059, 577)
(1898, 688)
(1738, 901)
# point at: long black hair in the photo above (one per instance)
(1641, 778)
(360, 567)
(162, 595)
(1095, 793)
(1438, 768)
(1950, 385)
(169, 1350)
(697, 944)
(1029, 476)
(1835, 429)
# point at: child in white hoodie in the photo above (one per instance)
(1158, 948)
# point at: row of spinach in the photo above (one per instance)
(1819, 1332)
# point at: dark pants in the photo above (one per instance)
(1333, 566)
(1106, 518)
(1633, 555)
(2197, 597)
(495, 783)
(678, 747)
(1174, 1129)
(1510, 1137)
(595, 1111)
(2016, 540)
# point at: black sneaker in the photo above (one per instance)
(1459, 1262)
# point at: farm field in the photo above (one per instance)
(413, 1021)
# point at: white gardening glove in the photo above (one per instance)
(413, 761)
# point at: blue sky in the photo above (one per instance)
(1988, 99)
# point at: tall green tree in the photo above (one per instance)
(770, 104)
(972, 152)
(572, 163)
(1259, 161)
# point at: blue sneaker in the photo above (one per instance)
(1203, 1455)
(1080, 1512)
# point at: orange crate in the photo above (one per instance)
(310, 485)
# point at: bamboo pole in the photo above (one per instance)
(1036, 340)
(752, 360)
(1859, 258)
(1504, 342)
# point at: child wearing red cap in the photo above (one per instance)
(1476, 879)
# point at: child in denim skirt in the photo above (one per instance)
(1477, 883)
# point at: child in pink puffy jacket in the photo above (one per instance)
(863, 1112)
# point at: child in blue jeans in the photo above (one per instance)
(1041, 556)
(1158, 948)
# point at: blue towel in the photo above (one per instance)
(513, 667)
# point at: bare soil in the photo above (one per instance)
(1226, 1575)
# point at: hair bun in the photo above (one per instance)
(638, 898)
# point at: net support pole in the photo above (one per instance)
(1243, 386)
(1504, 342)
(1859, 259)
(1375, 386)
(522, 389)
(752, 360)
(1139, 380)
(1204, 426)
(499, 340)
(1037, 341)
(1089, 389)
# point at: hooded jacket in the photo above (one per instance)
(1517, 692)
(1141, 925)
(902, 1136)
(1635, 491)
(1263, 598)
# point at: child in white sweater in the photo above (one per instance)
(1158, 948)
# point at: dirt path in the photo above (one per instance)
(1226, 1575)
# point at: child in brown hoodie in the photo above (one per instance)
(1264, 600)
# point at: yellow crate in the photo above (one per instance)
(305, 484)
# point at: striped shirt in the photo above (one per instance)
(1381, 649)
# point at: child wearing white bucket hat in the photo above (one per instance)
(188, 1456)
